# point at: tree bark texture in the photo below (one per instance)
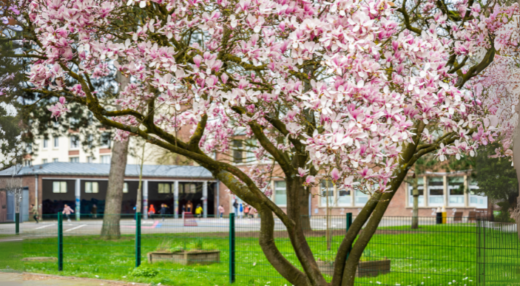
(116, 179)
(516, 163)
(114, 199)
(139, 199)
(415, 215)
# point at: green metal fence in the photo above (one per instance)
(461, 251)
(498, 254)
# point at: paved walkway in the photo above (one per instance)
(26, 279)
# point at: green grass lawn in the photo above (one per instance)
(432, 255)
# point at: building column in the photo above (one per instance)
(145, 198)
(36, 201)
(445, 182)
(217, 186)
(466, 191)
(176, 199)
(205, 198)
(78, 199)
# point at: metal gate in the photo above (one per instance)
(24, 205)
(498, 254)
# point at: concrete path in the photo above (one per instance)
(26, 279)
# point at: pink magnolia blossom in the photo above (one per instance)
(59, 108)
(377, 83)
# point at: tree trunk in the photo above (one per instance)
(305, 211)
(516, 163)
(327, 217)
(415, 216)
(116, 179)
(138, 202)
(517, 217)
(114, 198)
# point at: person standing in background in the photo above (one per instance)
(221, 211)
(198, 211)
(246, 211)
(189, 207)
(235, 205)
(163, 210)
(94, 211)
(241, 210)
(34, 211)
(151, 211)
(67, 211)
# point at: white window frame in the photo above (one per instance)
(335, 196)
(55, 142)
(74, 146)
(105, 156)
(420, 187)
(90, 159)
(324, 194)
(45, 144)
(74, 159)
(44, 161)
(108, 143)
(59, 187)
(55, 160)
(476, 201)
(458, 197)
(91, 187)
(430, 196)
(275, 188)
(358, 193)
(164, 188)
(125, 188)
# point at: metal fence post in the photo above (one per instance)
(349, 223)
(231, 248)
(17, 223)
(137, 239)
(60, 241)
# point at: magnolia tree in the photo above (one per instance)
(499, 89)
(350, 91)
(11, 70)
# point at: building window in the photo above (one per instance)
(91, 187)
(56, 142)
(420, 188)
(456, 191)
(105, 159)
(59, 187)
(344, 198)
(475, 198)
(125, 188)
(105, 140)
(74, 142)
(324, 194)
(164, 188)
(55, 160)
(436, 191)
(361, 198)
(90, 159)
(74, 159)
(28, 148)
(27, 163)
(90, 140)
(238, 156)
(337, 197)
(280, 193)
(44, 161)
(244, 151)
(45, 143)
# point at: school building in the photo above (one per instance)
(83, 185)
